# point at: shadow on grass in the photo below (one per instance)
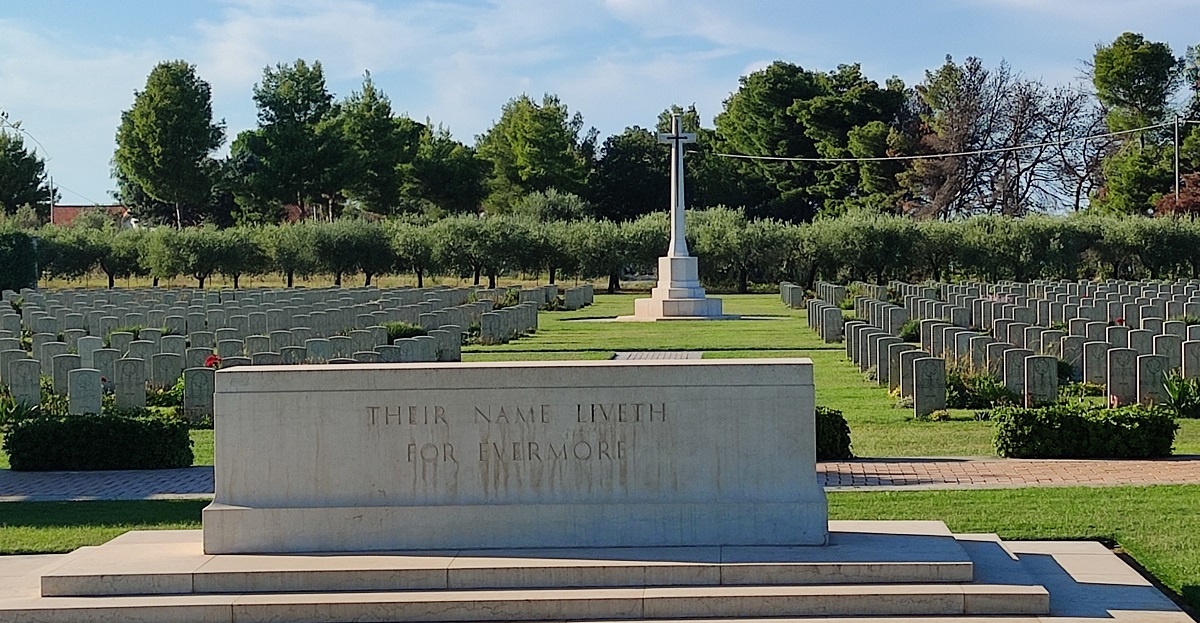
(100, 513)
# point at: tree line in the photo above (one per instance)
(951, 146)
(737, 253)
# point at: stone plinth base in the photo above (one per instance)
(678, 296)
(902, 569)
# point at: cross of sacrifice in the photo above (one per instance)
(677, 138)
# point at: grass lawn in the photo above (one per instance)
(877, 428)
(1158, 526)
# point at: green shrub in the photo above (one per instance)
(1183, 396)
(833, 435)
(137, 439)
(19, 259)
(402, 330)
(165, 396)
(13, 411)
(1080, 390)
(846, 304)
(910, 331)
(1064, 372)
(134, 329)
(939, 415)
(1079, 431)
(1189, 319)
(970, 390)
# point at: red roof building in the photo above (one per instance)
(64, 215)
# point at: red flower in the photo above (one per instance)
(212, 361)
(1119, 320)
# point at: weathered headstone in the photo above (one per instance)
(130, 385)
(84, 391)
(24, 377)
(85, 346)
(318, 350)
(929, 385)
(165, 369)
(1122, 375)
(893, 358)
(1071, 350)
(1041, 380)
(61, 368)
(1095, 362)
(1170, 346)
(1191, 359)
(198, 393)
(1151, 374)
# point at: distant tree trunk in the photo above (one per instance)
(290, 277)
(198, 278)
(111, 282)
(337, 280)
(477, 275)
(420, 278)
(155, 282)
(743, 281)
(614, 283)
(491, 281)
(235, 281)
(179, 218)
(552, 271)
(368, 280)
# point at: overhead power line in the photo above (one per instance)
(976, 152)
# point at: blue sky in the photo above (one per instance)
(69, 67)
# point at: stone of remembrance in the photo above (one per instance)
(515, 455)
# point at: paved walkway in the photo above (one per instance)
(993, 473)
(864, 474)
(659, 354)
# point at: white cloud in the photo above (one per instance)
(69, 96)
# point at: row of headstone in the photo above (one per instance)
(94, 351)
(84, 387)
(826, 319)
(508, 323)
(831, 293)
(99, 312)
(899, 365)
(1077, 322)
(578, 297)
(791, 294)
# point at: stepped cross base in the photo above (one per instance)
(678, 295)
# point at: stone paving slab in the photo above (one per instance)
(994, 473)
(659, 354)
(150, 484)
(862, 474)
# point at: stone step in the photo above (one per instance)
(172, 562)
(546, 605)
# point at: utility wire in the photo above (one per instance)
(952, 155)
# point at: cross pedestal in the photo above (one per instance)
(679, 295)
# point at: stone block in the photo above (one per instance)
(674, 469)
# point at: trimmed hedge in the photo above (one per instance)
(833, 435)
(1079, 431)
(137, 440)
(18, 256)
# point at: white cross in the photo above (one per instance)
(677, 138)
